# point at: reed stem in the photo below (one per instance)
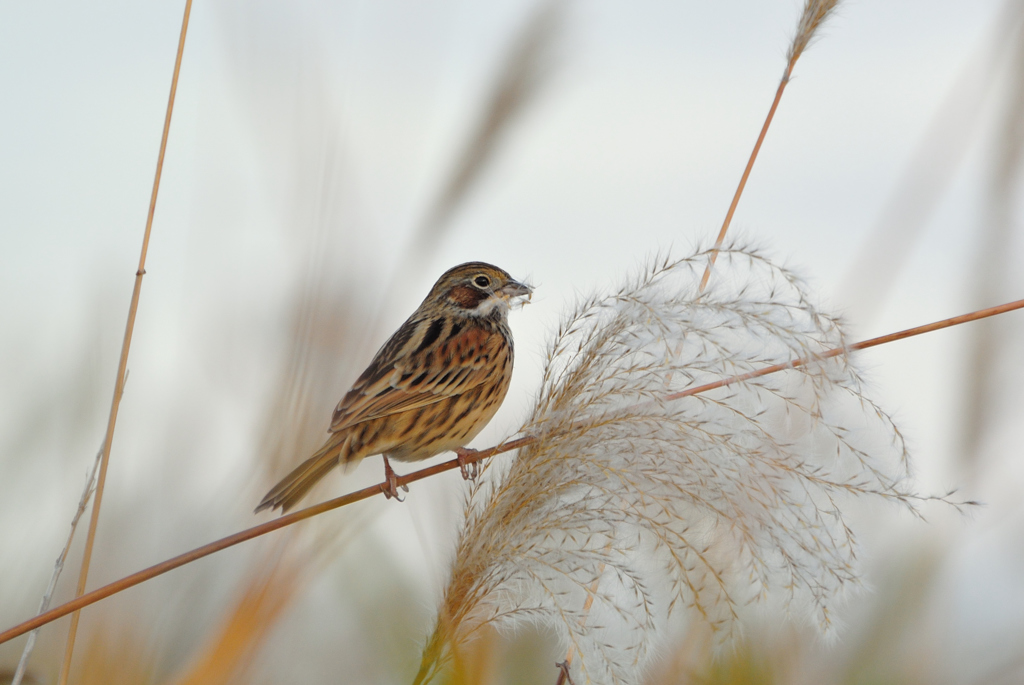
(122, 364)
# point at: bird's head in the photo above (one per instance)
(477, 289)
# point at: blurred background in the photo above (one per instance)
(328, 160)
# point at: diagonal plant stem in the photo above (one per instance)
(743, 179)
(122, 364)
(814, 14)
(44, 604)
(359, 495)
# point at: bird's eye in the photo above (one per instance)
(482, 281)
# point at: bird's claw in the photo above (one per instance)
(470, 469)
(390, 486)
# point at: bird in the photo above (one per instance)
(431, 388)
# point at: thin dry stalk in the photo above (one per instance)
(814, 15)
(90, 484)
(374, 490)
(732, 499)
(122, 364)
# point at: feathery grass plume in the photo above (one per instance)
(708, 502)
(814, 15)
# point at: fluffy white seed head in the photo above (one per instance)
(704, 503)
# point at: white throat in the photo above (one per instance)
(489, 306)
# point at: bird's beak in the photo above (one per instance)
(515, 289)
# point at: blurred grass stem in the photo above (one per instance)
(937, 159)
(90, 485)
(814, 14)
(523, 72)
(359, 495)
(123, 362)
(521, 75)
(984, 373)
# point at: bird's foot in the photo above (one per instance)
(469, 467)
(390, 486)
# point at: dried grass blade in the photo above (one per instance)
(814, 14)
(125, 346)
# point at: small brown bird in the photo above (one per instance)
(431, 388)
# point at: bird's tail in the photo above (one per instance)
(296, 484)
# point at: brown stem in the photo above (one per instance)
(746, 173)
(123, 362)
(863, 345)
(365, 493)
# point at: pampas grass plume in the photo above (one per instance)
(706, 503)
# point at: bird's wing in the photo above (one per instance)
(424, 362)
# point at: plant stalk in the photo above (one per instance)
(122, 365)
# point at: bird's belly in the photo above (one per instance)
(442, 426)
